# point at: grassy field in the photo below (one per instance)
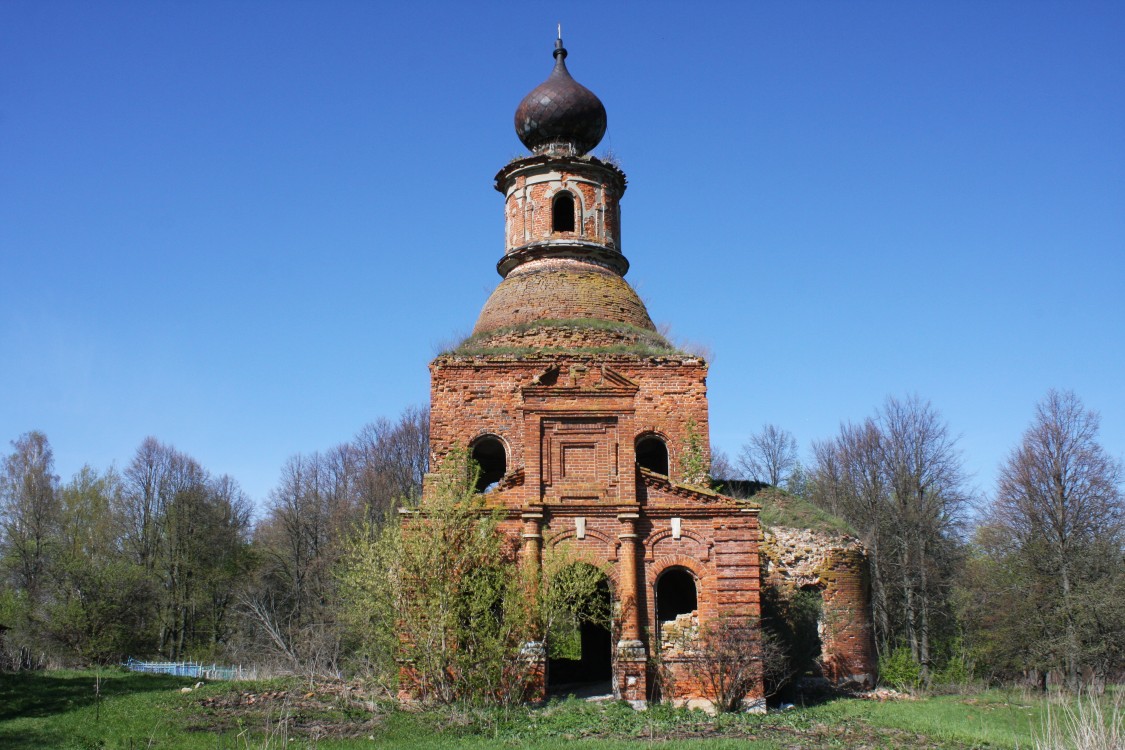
(122, 710)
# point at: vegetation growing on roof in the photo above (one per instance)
(638, 341)
(779, 508)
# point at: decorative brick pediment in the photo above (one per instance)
(577, 379)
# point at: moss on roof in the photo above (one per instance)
(633, 340)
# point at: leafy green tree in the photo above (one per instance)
(443, 596)
(99, 597)
(188, 531)
(442, 601)
(695, 464)
(29, 517)
(29, 513)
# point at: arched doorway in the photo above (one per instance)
(580, 644)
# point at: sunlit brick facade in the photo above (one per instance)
(587, 423)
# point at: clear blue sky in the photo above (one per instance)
(246, 227)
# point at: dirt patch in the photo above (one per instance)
(343, 710)
(318, 712)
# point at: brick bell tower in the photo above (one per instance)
(590, 429)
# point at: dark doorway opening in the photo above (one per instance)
(794, 619)
(490, 456)
(562, 213)
(580, 651)
(652, 454)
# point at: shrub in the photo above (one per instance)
(899, 670)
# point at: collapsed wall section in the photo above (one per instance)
(805, 561)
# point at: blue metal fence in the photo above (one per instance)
(186, 669)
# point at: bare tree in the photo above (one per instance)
(927, 486)
(849, 481)
(897, 478)
(393, 460)
(721, 467)
(769, 455)
(320, 501)
(140, 508)
(734, 657)
(1059, 497)
(309, 514)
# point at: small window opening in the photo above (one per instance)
(675, 595)
(652, 454)
(490, 456)
(562, 213)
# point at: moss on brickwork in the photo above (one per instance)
(575, 335)
(562, 288)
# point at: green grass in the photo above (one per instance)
(61, 710)
(779, 508)
(991, 719)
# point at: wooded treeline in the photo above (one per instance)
(1027, 581)
(163, 559)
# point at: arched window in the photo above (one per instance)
(652, 454)
(562, 212)
(675, 594)
(488, 451)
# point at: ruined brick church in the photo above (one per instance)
(591, 430)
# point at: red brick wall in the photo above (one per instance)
(530, 186)
(472, 396)
(837, 566)
(848, 641)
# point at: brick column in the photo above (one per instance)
(631, 654)
(533, 651)
(532, 541)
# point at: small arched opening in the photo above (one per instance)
(580, 644)
(677, 608)
(490, 456)
(652, 454)
(676, 594)
(562, 212)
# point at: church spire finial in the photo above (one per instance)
(560, 50)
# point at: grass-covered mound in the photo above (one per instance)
(779, 508)
(782, 509)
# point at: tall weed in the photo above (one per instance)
(1084, 724)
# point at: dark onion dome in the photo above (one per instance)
(560, 112)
